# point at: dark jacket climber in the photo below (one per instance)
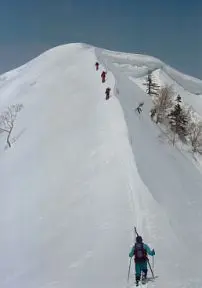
(107, 92)
(97, 66)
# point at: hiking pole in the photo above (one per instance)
(153, 262)
(129, 269)
(135, 232)
(150, 268)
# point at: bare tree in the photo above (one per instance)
(7, 120)
(162, 103)
(152, 87)
(195, 136)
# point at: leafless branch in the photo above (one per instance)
(7, 119)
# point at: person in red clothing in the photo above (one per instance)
(103, 76)
(97, 66)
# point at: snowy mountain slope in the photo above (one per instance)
(65, 182)
(140, 64)
(83, 171)
(173, 181)
(137, 66)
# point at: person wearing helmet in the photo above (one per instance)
(140, 251)
(107, 93)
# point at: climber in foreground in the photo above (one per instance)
(140, 252)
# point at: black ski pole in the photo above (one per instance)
(150, 268)
(129, 269)
(153, 262)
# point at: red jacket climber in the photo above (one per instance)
(103, 76)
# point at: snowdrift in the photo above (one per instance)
(136, 67)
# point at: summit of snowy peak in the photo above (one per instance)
(58, 51)
(55, 62)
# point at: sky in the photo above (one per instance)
(169, 30)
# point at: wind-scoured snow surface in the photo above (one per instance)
(82, 171)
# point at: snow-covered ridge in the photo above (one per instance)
(82, 171)
(41, 66)
(138, 65)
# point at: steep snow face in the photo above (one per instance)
(67, 182)
(172, 179)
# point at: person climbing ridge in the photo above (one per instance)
(103, 76)
(107, 92)
(140, 251)
(96, 66)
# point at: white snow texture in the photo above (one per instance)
(83, 171)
